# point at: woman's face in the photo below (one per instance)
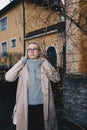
(33, 51)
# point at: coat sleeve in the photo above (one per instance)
(51, 72)
(13, 73)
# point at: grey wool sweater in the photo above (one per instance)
(35, 96)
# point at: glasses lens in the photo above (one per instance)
(32, 49)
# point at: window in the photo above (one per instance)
(4, 48)
(3, 24)
(56, 5)
(13, 43)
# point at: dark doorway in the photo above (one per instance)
(51, 55)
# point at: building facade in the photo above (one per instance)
(58, 24)
(51, 25)
(11, 29)
(76, 37)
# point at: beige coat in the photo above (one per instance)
(20, 71)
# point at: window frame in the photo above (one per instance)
(3, 23)
(4, 52)
(12, 44)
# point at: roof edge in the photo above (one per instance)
(9, 6)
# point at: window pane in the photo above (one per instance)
(3, 24)
(4, 48)
(13, 43)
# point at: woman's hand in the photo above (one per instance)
(42, 58)
(24, 59)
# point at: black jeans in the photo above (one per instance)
(35, 117)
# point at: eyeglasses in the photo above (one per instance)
(32, 49)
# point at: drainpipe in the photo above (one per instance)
(64, 45)
(23, 26)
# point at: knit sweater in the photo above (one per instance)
(35, 96)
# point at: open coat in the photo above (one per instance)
(20, 71)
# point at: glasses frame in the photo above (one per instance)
(33, 49)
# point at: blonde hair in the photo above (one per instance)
(35, 44)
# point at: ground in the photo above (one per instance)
(7, 101)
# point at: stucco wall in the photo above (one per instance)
(76, 38)
(14, 29)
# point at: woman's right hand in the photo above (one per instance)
(24, 59)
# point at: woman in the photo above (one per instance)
(34, 100)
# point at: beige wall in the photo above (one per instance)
(38, 17)
(14, 30)
(83, 39)
(76, 40)
(48, 40)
